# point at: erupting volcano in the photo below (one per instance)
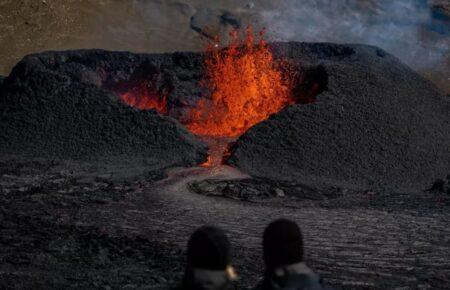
(245, 84)
(110, 159)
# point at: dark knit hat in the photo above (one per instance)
(282, 244)
(208, 248)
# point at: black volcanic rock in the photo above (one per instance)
(377, 124)
(373, 122)
(55, 105)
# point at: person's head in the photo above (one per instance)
(282, 244)
(208, 259)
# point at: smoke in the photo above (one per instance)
(408, 29)
(414, 30)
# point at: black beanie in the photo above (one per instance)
(208, 248)
(282, 244)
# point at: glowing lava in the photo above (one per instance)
(245, 84)
(246, 87)
(141, 98)
(218, 150)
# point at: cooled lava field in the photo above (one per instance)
(109, 160)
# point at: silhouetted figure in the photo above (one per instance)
(284, 258)
(208, 261)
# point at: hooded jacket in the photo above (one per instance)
(292, 277)
(201, 279)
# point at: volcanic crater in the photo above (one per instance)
(240, 85)
(343, 115)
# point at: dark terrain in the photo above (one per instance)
(370, 122)
(118, 213)
(63, 229)
(375, 124)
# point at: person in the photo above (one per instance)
(208, 261)
(284, 259)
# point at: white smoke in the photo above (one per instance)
(405, 28)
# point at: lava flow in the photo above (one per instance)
(245, 84)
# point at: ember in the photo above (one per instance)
(246, 87)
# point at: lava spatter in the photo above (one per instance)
(245, 84)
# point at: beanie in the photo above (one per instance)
(208, 248)
(282, 244)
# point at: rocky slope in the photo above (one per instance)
(54, 106)
(377, 124)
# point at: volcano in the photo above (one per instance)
(336, 115)
(92, 141)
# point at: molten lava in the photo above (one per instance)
(140, 97)
(218, 150)
(246, 88)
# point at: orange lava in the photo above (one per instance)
(246, 88)
(218, 150)
(139, 97)
(208, 163)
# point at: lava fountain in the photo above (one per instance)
(246, 87)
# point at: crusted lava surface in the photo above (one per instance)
(73, 226)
